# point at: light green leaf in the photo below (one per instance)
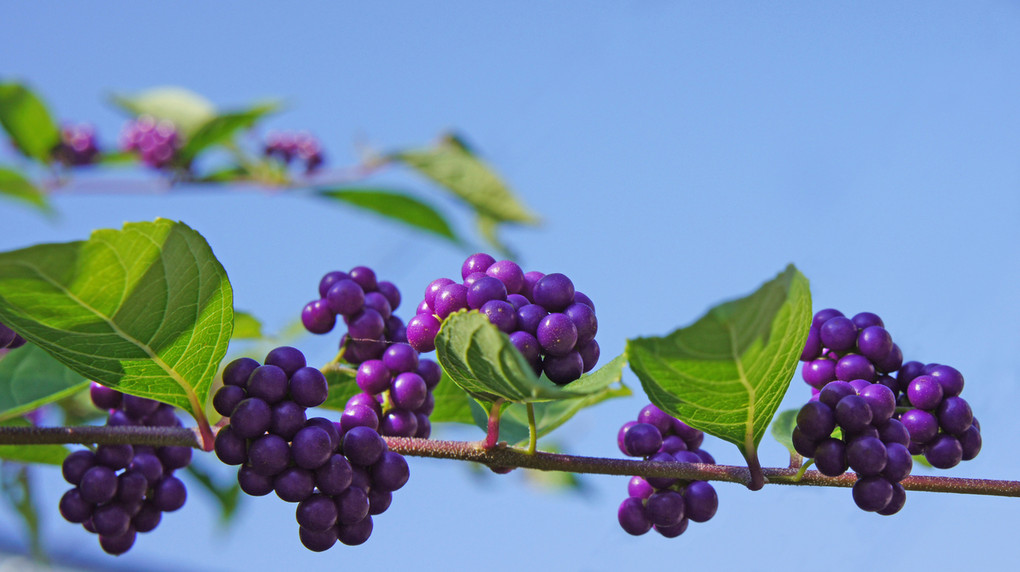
(31, 378)
(27, 121)
(15, 185)
(187, 110)
(146, 310)
(456, 169)
(45, 454)
(726, 373)
(453, 404)
(396, 205)
(342, 386)
(481, 360)
(782, 429)
(246, 326)
(222, 128)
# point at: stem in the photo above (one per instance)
(504, 456)
(492, 434)
(500, 455)
(532, 430)
(101, 435)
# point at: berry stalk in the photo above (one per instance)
(504, 456)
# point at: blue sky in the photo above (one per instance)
(680, 154)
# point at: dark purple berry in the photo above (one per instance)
(268, 383)
(238, 371)
(701, 501)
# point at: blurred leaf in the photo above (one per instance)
(27, 121)
(222, 128)
(45, 454)
(341, 386)
(782, 429)
(395, 205)
(726, 373)
(31, 378)
(246, 326)
(17, 485)
(488, 227)
(118, 158)
(187, 110)
(14, 185)
(453, 167)
(227, 495)
(227, 175)
(146, 310)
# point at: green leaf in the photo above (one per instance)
(342, 386)
(15, 185)
(727, 373)
(45, 454)
(187, 110)
(453, 404)
(782, 429)
(396, 205)
(27, 121)
(246, 326)
(481, 360)
(222, 128)
(456, 169)
(31, 378)
(146, 310)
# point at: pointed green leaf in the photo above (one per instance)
(396, 205)
(187, 110)
(782, 429)
(146, 310)
(25, 118)
(46, 454)
(222, 128)
(726, 373)
(31, 378)
(453, 167)
(481, 360)
(246, 326)
(15, 185)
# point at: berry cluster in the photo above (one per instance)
(121, 490)
(338, 477)
(9, 338)
(666, 504)
(367, 306)
(941, 424)
(156, 142)
(396, 396)
(77, 146)
(551, 324)
(882, 419)
(288, 146)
